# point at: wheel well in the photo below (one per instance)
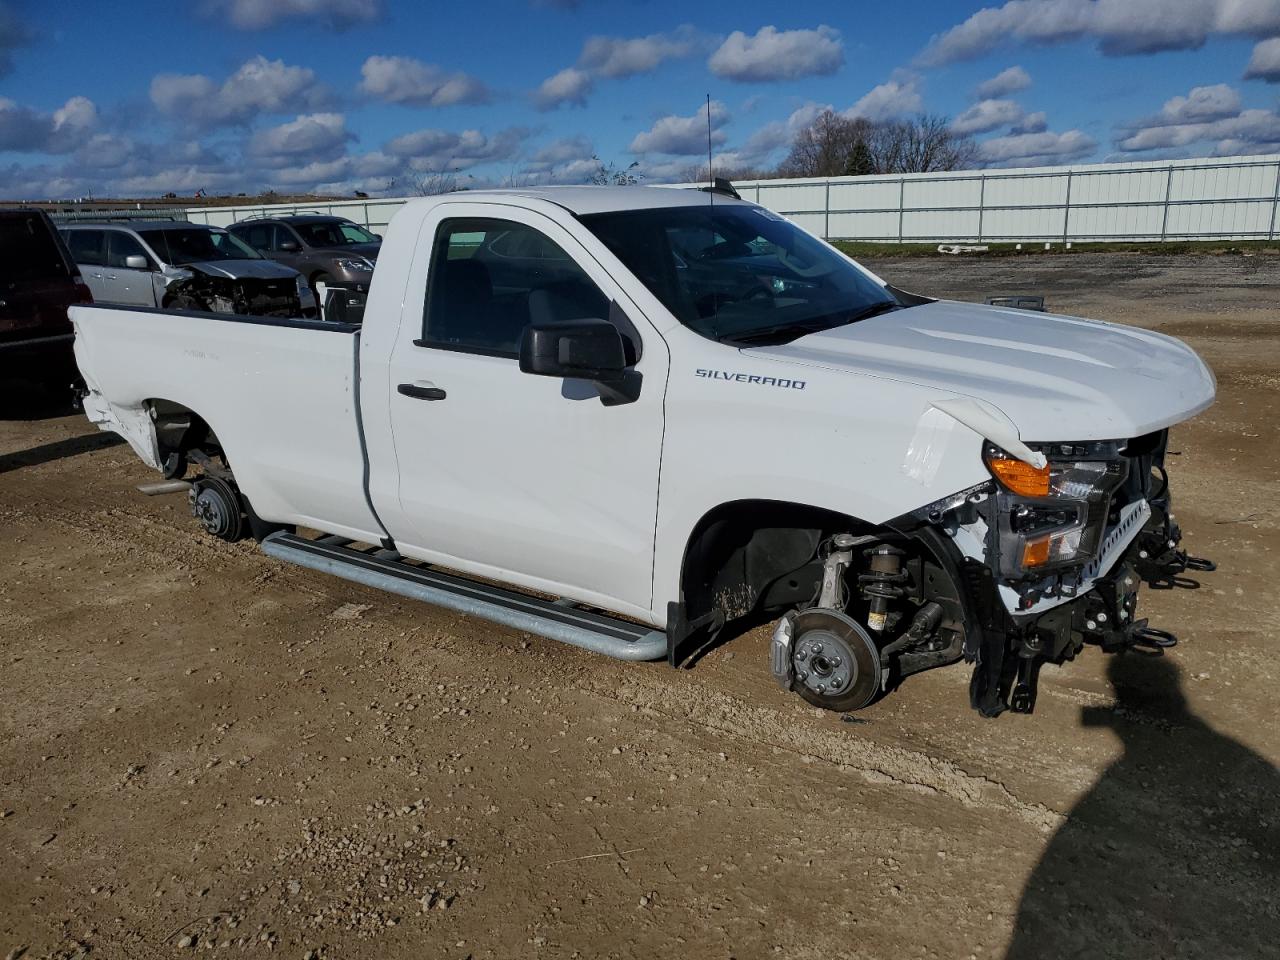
(750, 555)
(179, 430)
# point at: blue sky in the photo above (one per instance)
(383, 95)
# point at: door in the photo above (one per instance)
(126, 284)
(283, 236)
(523, 478)
(89, 251)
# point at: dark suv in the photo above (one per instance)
(38, 281)
(324, 249)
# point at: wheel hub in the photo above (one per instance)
(824, 662)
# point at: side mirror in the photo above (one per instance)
(582, 349)
(289, 246)
(136, 262)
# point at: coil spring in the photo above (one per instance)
(888, 584)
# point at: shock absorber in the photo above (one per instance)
(882, 583)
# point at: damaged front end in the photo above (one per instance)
(209, 291)
(1052, 552)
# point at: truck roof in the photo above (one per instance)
(587, 200)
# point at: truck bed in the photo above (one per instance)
(281, 395)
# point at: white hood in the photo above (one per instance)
(1054, 377)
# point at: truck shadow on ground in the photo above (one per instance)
(1175, 851)
(57, 450)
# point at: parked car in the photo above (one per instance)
(38, 281)
(173, 264)
(324, 249)
(544, 395)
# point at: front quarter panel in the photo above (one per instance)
(747, 427)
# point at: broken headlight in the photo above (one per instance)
(1053, 516)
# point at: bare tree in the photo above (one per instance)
(834, 145)
(823, 148)
(432, 183)
(606, 174)
(924, 144)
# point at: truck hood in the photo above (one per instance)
(243, 269)
(1054, 377)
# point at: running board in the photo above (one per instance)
(557, 620)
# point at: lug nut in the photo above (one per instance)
(835, 661)
(1102, 618)
(1090, 624)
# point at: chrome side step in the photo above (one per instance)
(555, 619)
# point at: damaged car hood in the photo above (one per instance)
(243, 269)
(1054, 377)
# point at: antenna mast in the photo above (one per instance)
(711, 180)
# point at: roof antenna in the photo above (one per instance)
(711, 180)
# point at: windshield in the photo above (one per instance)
(197, 245)
(333, 233)
(739, 273)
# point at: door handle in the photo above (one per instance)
(421, 391)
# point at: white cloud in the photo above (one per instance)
(627, 56)
(24, 130)
(1031, 123)
(568, 87)
(309, 138)
(429, 151)
(261, 14)
(774, 54)
(986, 115)
(683, 136)
(411, 82)
(1250, 131)
(560, 151)
(1201, 105)
(258, 86)
(1032, 149)
(1003, 83)
(888, 101)
(1119, 27)
(1264, 64)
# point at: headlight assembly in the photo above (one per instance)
(356, 266)
(1053, 516)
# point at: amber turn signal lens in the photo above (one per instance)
(1020, 478)
(1036, 553)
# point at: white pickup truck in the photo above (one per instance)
(656, 414)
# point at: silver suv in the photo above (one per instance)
(183, 266)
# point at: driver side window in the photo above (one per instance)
(489, 279)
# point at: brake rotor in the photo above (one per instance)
(217, 506)
(835, 663)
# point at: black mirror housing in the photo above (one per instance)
(290, 246)
(582, 349)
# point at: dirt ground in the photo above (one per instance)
(202, 749)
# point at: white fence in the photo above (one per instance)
(1220, 199)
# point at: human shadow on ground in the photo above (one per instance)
(1174, 852)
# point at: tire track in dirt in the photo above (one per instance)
(876, 763)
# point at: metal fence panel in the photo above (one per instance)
(1227, 199)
